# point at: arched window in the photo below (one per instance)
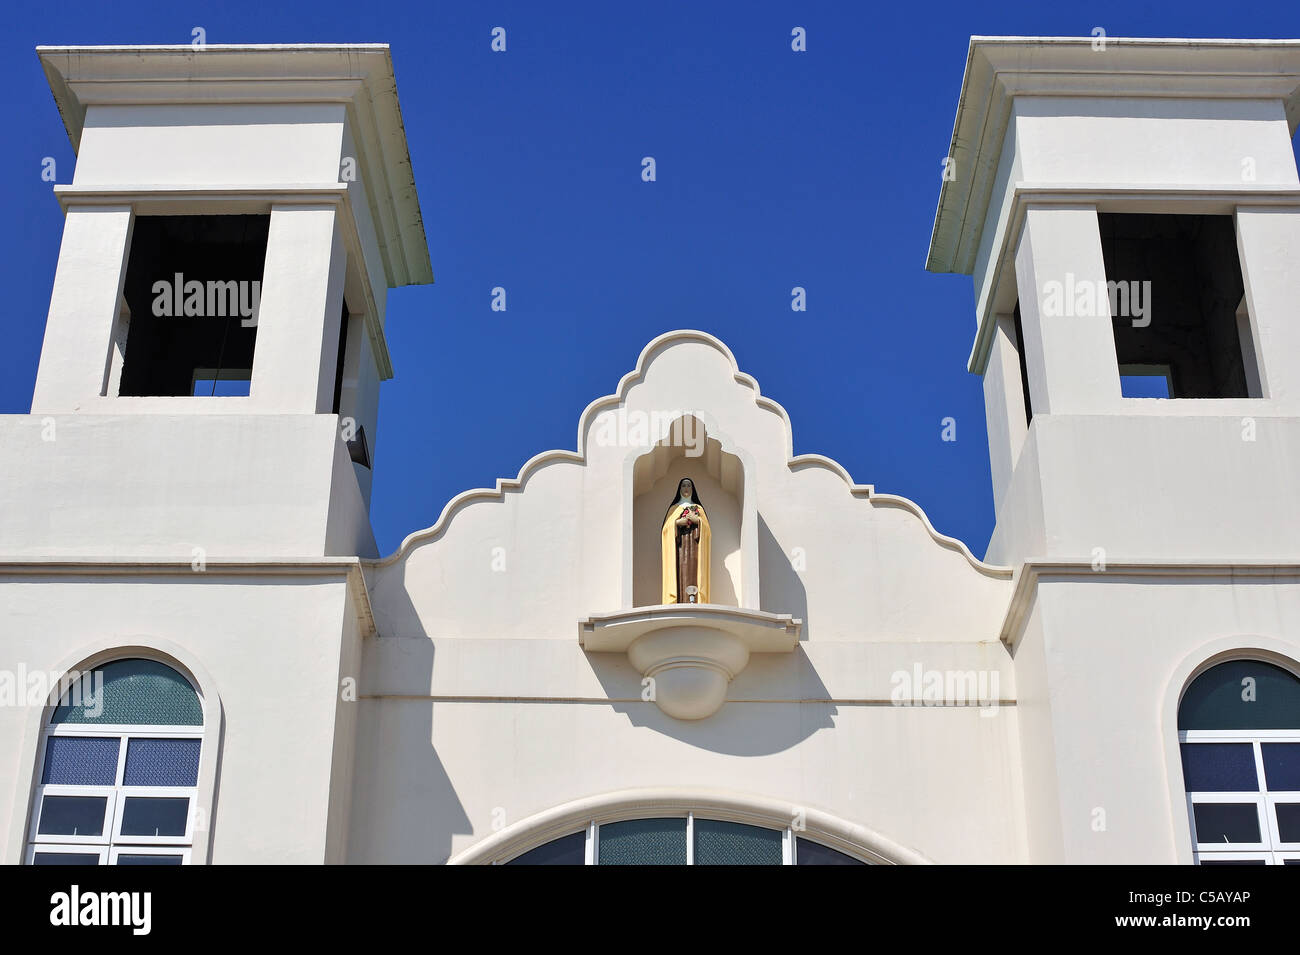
(119, 769)
(1239, 733)
(678, 840)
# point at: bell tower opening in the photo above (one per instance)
(193, 287)
(1176, 300)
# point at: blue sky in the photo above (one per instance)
(775, 169)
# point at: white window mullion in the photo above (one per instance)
(690, 838)
(121, 758)
(787, 847)
(591, 850)
(1258, 749)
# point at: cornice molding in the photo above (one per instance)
(346, 567)
(1031, 572)
(357, 76)
(998, 69)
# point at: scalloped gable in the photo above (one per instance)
(558, 531)
(586, 422)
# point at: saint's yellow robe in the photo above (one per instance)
(668, 537)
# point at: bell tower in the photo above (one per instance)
(215, 341)
(1130, 213)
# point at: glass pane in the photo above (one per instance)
(567, 850)
(731, 843)
(1216, 768)
(1282, 766)
(155, 815)
(814, 853)
(1288, 821)
(1241, 695)
(643, 842)
(132, 691)
(1143, 386)
(1226, 822)
(148, 859)
(65, 858)
(223, 386)
(72, 815)
(1233, 862)
(161, 762)
(80, 761)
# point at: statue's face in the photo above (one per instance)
(687, 488)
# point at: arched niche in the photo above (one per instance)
(690, 448)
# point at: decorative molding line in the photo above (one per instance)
(989, 570)
(349, 567)
(651, 350)
(263, 193)
(998, 69)
(358, 77)
(1028, 575)
(820, 826)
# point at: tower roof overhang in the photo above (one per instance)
(357, 76)
(998, 69)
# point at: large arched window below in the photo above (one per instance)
(118, 770)
(1239, 734)
(678, 840)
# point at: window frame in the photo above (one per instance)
(182, 851)
(110, 839)
(35, 837)
(591, 841)
(29, 857)
(1265, 800)
(1147, 370)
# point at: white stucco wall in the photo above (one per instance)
(1100, 669)
(150, 486)
(478, 698)
(270, 648)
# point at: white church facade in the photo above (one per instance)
(207, 660)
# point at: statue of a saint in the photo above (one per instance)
(685, 538)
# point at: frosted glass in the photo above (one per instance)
(1241, 695)
(161, 762)
(1219, 768)
(80, 761)
(135, 692)
(731, 843)
(643, 842)
(566, 850)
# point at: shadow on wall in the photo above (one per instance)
(780, 588)
(741, 727)
(404, 809)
